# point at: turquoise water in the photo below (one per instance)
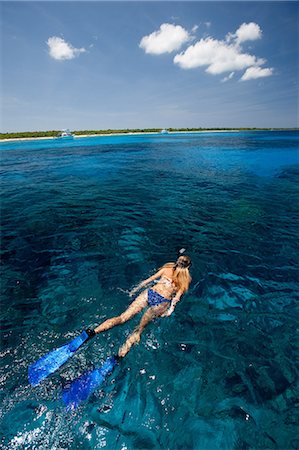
(83, 221)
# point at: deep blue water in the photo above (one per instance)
(85, 220)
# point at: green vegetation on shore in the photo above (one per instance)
(54, 133)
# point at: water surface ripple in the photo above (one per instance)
(84, 220)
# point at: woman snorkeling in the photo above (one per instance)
(170, 283)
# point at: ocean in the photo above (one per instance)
(85, 220)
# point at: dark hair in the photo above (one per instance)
(183, 262)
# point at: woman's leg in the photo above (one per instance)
(135, 307)
(134, 338)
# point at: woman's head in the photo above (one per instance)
(183, 262)
(181, 275)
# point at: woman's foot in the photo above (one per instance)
(90, 333)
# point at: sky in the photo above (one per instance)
(116, 65)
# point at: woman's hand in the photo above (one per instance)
(168, 312)
(132, 292)
(145, 283)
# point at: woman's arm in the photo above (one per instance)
(145, 282)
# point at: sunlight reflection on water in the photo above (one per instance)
(83, 222)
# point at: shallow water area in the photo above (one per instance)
(85, 220)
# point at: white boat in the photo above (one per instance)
(65, 134)
(164, 131)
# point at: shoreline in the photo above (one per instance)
(79, 136)
(112, 134)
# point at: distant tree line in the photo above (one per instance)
(54, 133)
(29, 134)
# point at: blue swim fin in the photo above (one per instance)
(81, 388)
(49, 363)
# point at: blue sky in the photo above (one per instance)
(98, 65)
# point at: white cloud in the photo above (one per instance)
(60, 49)
(167, 39)
(256, 72)
(248, 32)
(219, 56)
(229, 77)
